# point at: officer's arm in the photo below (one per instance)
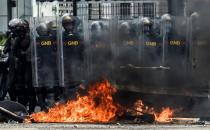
(15, 47)
(17, 50)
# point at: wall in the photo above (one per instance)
(3, 15)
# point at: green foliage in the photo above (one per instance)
(2, 42)
(2, 39)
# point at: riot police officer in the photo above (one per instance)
(19, 77)
(99, 47)
(151, 43)
(99, 34)
(174, 31)
(47, 63)
(124, 32)
(46, 44)
(70, 24)
(127, 44)
(73, 49)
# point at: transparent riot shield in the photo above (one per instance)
(176, 38)
(98, 51)
(45, 62)
(176, 50)
(151, 42)
(126, 49)
(71, 52)
(127, 45)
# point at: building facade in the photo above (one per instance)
(94, 9)
(12, 9)
(123, 9)
(3, 15)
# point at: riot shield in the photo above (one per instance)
(71, 53)
(176, 51)
(154, 59)
(151, 41)
(45, 62)
(177, 43)
(127, 44)
(126, 48)
(99, 52)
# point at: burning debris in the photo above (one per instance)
(140, 109)
(165, 116)
(98, 105)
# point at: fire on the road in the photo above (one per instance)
(96, 106)
(164, 116)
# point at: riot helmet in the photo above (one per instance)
(26, 24)
(147, 25)
(166, 17)
(195, 18)
(68, 23)
(20, 28)
(12, 23)
(77, 22)
(17, 27)
(195, 15)
(166, 21)
(97, 26)
(97, 29)
(124, 28)
(52, 26)
(42, 29)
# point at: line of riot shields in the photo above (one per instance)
(54, 45)
(139, 51)
(59, 54)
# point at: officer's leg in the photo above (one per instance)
(11, 79)
(3, 83)
(32, 99)
(57, 93)
(50, 94)
(12, 94)
(41, 95)
(30, 89)
(22, 94)
(21, 84)
(11, 85)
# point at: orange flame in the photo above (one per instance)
(164, 116)
(96, 106)
(140, 108)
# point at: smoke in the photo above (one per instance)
(120, 56)
(201, 31)
(115, 57)
(202, 8)
(115, 53)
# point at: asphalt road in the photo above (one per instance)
(100, 127)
